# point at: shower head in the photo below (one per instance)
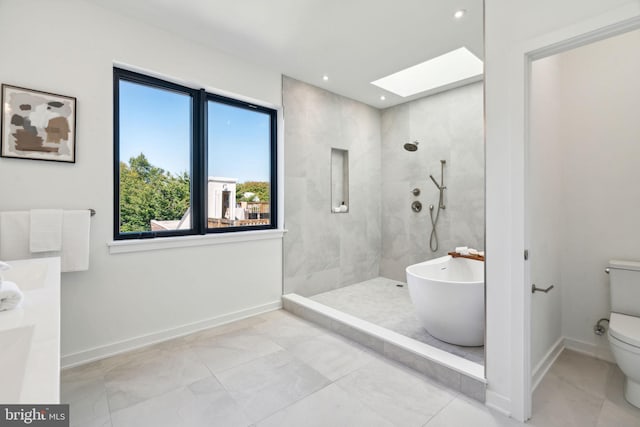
(411, 146)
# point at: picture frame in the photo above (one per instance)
(37, 125)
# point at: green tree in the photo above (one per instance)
(148, 192)
(259, 189)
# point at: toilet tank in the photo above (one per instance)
(624, 277)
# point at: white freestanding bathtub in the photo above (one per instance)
(448, 296)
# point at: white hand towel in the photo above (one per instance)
(46, 230)
(10, 296)
(75, 240)
(14, 235)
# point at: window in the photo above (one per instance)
(189, 162)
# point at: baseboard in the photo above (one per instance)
(498, 402)
(571, 344)
(543, 366)
(101, 352)
(603, 353)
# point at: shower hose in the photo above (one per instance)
(433, 239)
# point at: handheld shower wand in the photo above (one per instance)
(441, 186)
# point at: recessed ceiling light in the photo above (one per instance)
(382, 97)
(325, 77)
(460, 13)
(452, 67)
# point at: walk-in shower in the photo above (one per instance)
(356, 264)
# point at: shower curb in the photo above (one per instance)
(461, 375)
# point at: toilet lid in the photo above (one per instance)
(625, 328)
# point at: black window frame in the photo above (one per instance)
(198, 153)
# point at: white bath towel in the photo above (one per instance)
(10, 296)
(14, 235)
(45, 233)
(75, 240)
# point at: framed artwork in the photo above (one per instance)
(38, 125)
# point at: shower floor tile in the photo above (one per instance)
(382, 302)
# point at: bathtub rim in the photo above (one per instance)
(443, 259)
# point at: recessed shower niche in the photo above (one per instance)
(339, 180)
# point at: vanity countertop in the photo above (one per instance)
(31, 332)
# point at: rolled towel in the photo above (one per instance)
(473, 251)
(10, 296)
(461, 249)
(3, 267)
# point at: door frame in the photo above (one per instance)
(599, 28)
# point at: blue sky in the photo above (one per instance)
(238, 143)
(157, 123)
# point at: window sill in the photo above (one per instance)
(142, 245)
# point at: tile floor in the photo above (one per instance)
(382, 302)
(581, 391)
(278, 370)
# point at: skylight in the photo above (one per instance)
(443, 70)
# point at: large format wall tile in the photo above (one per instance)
(448, 126)
(324, 250)
(380, 235)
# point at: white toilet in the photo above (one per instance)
(624, 324)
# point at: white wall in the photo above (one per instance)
(583, 196)
(69, 47)
(545, 205)
(600, 102)
(511, 30)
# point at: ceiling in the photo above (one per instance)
(353, 42)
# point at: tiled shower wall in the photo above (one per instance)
(325, 250)
(448, 126)
(380, 235)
